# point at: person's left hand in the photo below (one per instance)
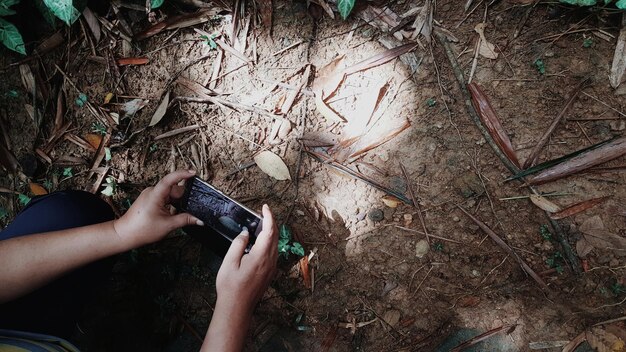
(149, 218)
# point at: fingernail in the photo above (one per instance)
(192, 171)
(244, 231)
(199, 222)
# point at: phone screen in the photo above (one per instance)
(219, 212)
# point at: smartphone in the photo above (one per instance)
(222, 216)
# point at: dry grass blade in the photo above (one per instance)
(181, 21)
(619, 59)
(380, 59)
(329, 77)
(424, 21)
(609, 151)
(60, 111)
(534, 154)
(177, 131)
(389, 135)
(194, 87)
(492, 122)
(100, 153)
(232, 50)
(482, 337)
(578, 207)
(507, 249)
(544, 204)
(572, 345)
(127, 61)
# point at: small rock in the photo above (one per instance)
(408, 219)
(475, 273)
(549, 53)
(376, 215)
(392, 317)
(481, 141)
(360, 216)
(456, 219)
(614, 263)
(389, 286)
(421, 248)
(300, 212)
(618, 125)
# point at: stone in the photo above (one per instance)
(421, 248)
(376, 215)
(408, 219)
(392, 317)
(618, 125)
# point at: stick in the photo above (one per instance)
(230, 104)
(416, 204)
(532, 158)
(176, 132)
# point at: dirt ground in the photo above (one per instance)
(370, 264)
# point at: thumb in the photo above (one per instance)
(237, 248)
(185, 219)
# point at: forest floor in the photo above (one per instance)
(379, 284)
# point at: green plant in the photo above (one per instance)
(153, 148)
(155, 4)
(9, 35)
(99, 128)
(23, 199)
(48, 184)
(540, 66)
(208, 40)
(621, 4)
(431, 102)
(438, 246)
(345, 7)
(81, 100)
(67, 172)
(107, 154)
(556, 261)
(285, 245)
(618, 289)
(110, 187)
(545, 232)
(587, 43)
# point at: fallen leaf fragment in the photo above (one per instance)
(603, 340)
(595, 233)
(161, 110)
(108, 97)
(578, 207)
(485, 48)
(127, 61)
(272, 165)
(544, 204)
(37, 189)
(93, 139)
(619, 58)
(130, 108)
(391, 201)
(326, 111)
(306, 273)
(583, 247)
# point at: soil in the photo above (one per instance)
(161, 297)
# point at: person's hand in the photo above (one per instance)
(242, 279)
(149, 219)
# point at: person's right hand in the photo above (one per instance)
(242, 279)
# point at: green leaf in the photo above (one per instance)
(297, 249)
(345, 7)
(108, 191)
(81, 100)
(580, 2)
(284, 233)
(541, 67)
(23, 199)
(67, 172)
(63, 9)
(46, 13)
(11, 37)
(621, 4)
(107, 154)
(4, 7)
(283, 245)
(155, 4)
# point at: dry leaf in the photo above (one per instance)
(37, 189)
(306, 273)
(373, 141)
(491, 121)
(544, 204)
(28, 80)
(130, 108)
(272, 165)
(326, 111)
(181, 21)
(94, 140)
(92, 23)
(161, 110)
(602, 340)
(595, 233)
(391, 201)
(424, 21)
(329, 77)
(619, 57)
(583, 247)
(108, 97)
(578, 207)
(485, 48)
(468, 301)
(606, 152)
(127, 61)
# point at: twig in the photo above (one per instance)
(416, 204)
(421, 282)
(481, 337)
(230, 104)
(177, 131)
(494, 268)
(603, 103)
(430, 234)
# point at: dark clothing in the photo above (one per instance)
(55, 308)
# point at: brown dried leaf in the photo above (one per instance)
(92, 23)
(49, 43)
(485, 48)
(491, 121)
(602, 340)
(609, 151)
(181, 21)
(595, 233)
(578, 207)
(306, 273)
(326, 111)
(391, 201)
(329, 77)
(94, 140)
(544, 204)
(161, 110)
(583, 247)
(382, 138)
(619, 57)
(127, 61)
(28, 80)
(424, 22)
(37, 189)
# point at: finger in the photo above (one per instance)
(177, 192)
(163, 188)
(237, 248)
(267, 240)
(184, 219)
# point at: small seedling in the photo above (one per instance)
(12, 94)
(81, 100)
(208, 40)
(431, 102)
(556, 261)
(438, 246)
(286, 246)
(47, 184)
(618, 289)
(110, 187)
(67, 172)
(155, 4)
(107, 154)
(99, 128)
(23, 199)
(127, 203)
(545, 232)
(587, 43)
(153, 147)
(540, 66)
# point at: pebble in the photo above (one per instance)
(376, 215)
(456, 219)
(618, 125)
(408, 219)
(360, 216)
(475, 273)
(421, 248)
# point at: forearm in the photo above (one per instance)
(31, 261)
(229, 326)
